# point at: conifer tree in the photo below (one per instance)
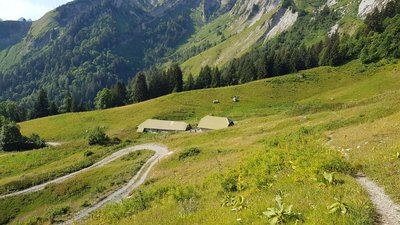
(67, 103)
(119, 95)
(41, 105)
(204, 79)
(139, 89)
(190, 84)
(216, 78)
(175, 78)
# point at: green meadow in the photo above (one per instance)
(285, 143)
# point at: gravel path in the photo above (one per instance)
(53, 144)
(158, 149)
(134, 183)
(387, 209)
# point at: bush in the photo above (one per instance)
(98, 136)
(37, 141)
(233, 181)
(181, 194)
(58, 212)
(189, 153)
(88, 153)
(11, 138)
(340, 166)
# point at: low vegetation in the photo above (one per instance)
(282, 214)
(191, 152)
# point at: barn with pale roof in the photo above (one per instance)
(214, 123)
(152, 125)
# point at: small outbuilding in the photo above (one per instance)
(152, 125)
(214, 123)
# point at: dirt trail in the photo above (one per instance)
(134, 183)
(388, 211)
(386, 208)
(53, 144)
(159, 150)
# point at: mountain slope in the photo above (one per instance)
(86, 45)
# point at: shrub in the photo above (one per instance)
(86, 204)
(58, 212)
(189, 153)
(340, 166)
(115, 141)
(98, 136)
(233, 181)
(181, 194)
(88, 153)
(100, 189)
(37, 141)
(190, 205)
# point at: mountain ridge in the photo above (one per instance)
(79, 37)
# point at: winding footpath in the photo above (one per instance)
(388, 211)
(135, 182)
(386, 208)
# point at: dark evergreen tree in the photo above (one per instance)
(229, 75)
(74, 106)
(53, 109)
(331, 55)
(119, 94)
(41, 105)
(189, 84)
(175, 78)
(139, 89)
(216, 78)
(158, 83)
(204, 79)
(67, 103)
(248, 72)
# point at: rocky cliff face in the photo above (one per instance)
(250, 11)
(368, 6)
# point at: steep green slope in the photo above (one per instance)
(278, 144)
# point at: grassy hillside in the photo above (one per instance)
(287, 135)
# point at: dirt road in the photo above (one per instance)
(160, 151)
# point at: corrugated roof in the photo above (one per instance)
(214, 123)
(163, 125)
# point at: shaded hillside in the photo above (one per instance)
(12, 32)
